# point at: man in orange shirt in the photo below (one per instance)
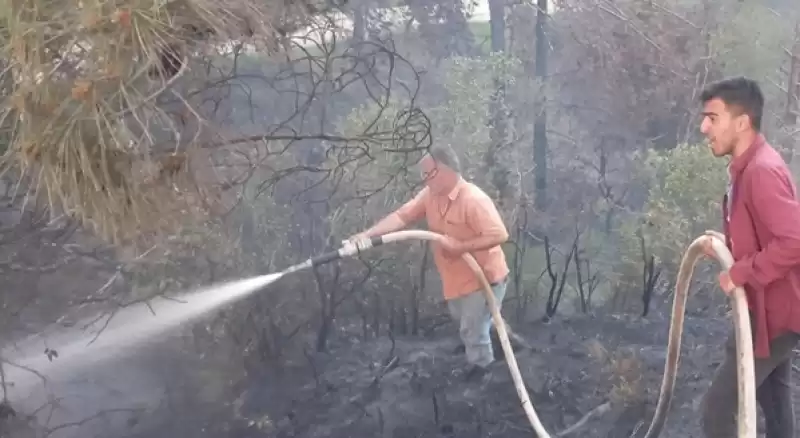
(470, 222)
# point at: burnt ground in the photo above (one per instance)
(575, 366)
(413, 387)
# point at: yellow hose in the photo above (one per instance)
(744, 344)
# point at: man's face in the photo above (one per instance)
(434, 174)
(721, 127)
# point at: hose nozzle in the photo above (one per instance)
(351, 248)
(348, 249)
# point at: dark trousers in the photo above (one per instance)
(773, 391)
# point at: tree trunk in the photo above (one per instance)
(443, 26)
(359, 22)
(494, 164)
(540, 124)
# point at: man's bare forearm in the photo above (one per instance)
(484, 242)
(389, 224)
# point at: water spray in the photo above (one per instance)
(744, 345)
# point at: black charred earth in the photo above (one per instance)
(415, 388)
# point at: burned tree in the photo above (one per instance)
(650, 274)
(557, 281)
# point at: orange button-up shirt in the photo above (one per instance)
(465, 213)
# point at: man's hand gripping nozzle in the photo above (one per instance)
(352, 247)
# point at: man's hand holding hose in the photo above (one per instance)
(357, 242)
(725, 282)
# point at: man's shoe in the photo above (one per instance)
(477, 373)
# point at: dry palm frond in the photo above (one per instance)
(80, 82)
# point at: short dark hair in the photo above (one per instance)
(446, 155)
(739, 93)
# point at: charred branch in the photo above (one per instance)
(557, 280)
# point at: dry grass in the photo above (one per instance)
(625, 372)
(80, 87)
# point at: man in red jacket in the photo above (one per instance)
(761, 217)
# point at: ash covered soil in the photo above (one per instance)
(574, 366)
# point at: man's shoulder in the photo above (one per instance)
(422, 193)
(768, 165)
(768, 160)
(473, 192)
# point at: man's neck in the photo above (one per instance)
(744, 143)
(446, 190)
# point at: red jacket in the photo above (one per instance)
(763, 234)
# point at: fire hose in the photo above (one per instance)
(746, 417)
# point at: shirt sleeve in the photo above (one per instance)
(775, 208)
(483, 217)
(413, 210)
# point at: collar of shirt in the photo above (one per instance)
(456, 190)
(738, 164)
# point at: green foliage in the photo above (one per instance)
(685, 188)
(460, 120)
(685, 195)
(384, 178)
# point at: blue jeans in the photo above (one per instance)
(475, 322)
